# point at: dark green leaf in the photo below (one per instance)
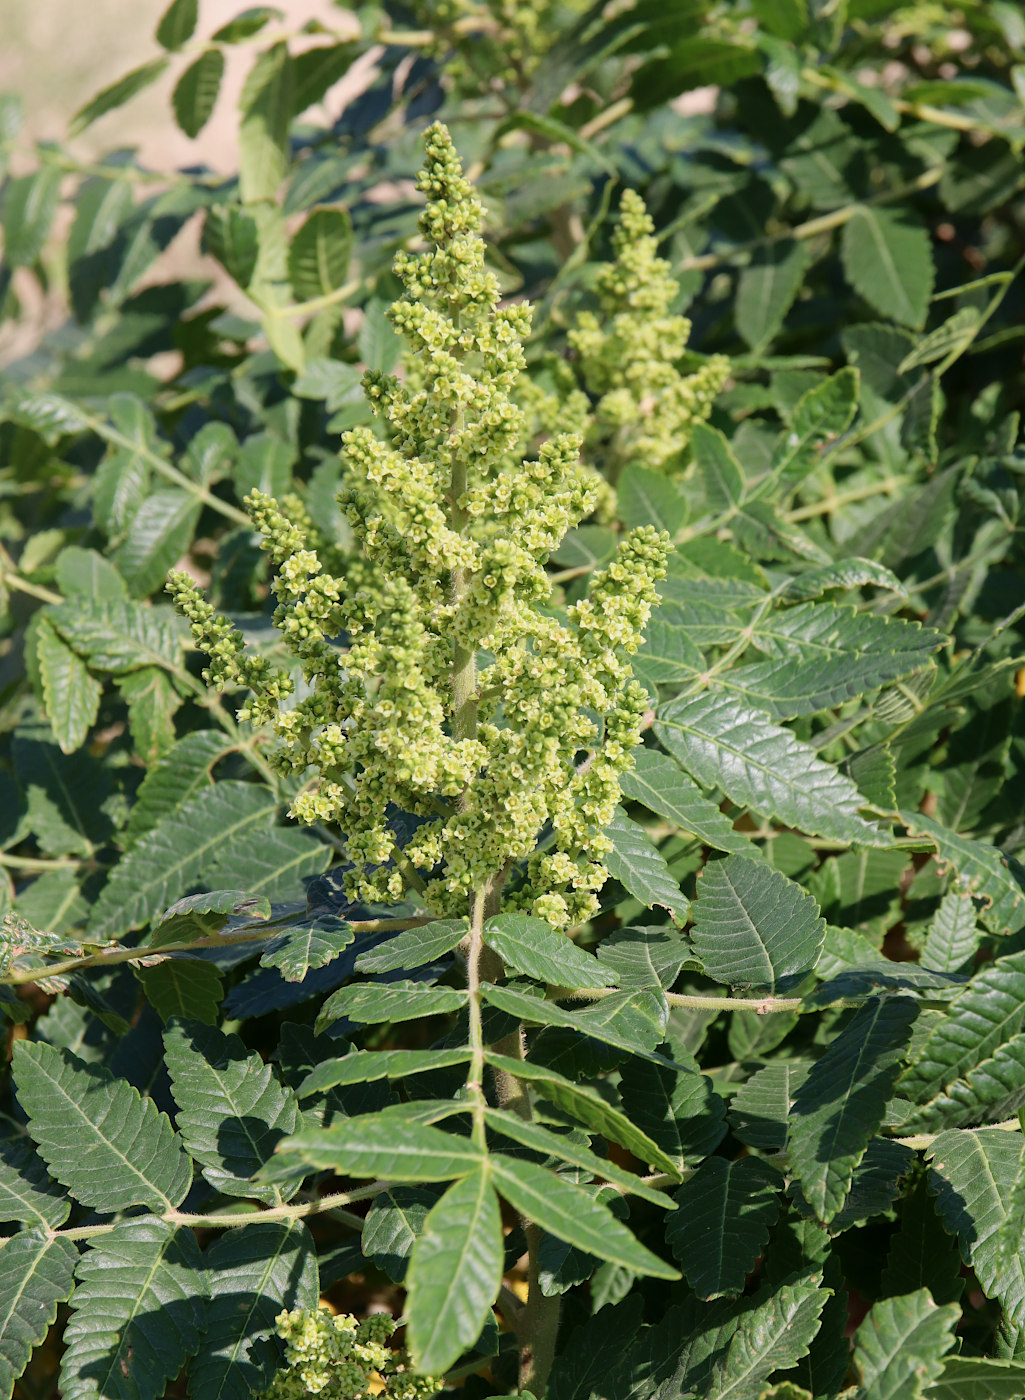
(196, 92)
(754, 927)
(641, 868)
(767, 289)
(184, 987)
(232, 1112)
(137, 1312)
(841, 1103)
(571, 1215)
(99, 1138)
(454, 1273)
(901, 1344)
(30, 203)
(371, 1003)
(887, 257)
(372, 1146)
(254, 1273)
(413, 948)
(178, 23)
(658, 782)
(725, 1211)
(531, 947)
(299, 950)
(318, 255)
(36, 1273)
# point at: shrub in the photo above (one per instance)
(558, 894)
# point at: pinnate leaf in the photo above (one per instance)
(725, 1211)
(37, 1272)
(195, 94)
(665, 790)
(71, 694)
(754, 927)
(184, 987)
(533, 948)
(572, 1215)
(761, 766)
(641, 868)
(587, 1106)
(318, 256)
(414, 947)
(232, 1112)
(841, 1104)
(973, 1175)
(773, 1336)
(373, 1146)
(26, 1192)
(303, 949)
(887, 257)
(254, 1273)
(901, 1345)
(171, 855)
(454, 1273)
(99, 1138)
(137, 1312)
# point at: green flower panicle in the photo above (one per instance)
(339, 1358)
(438, 677)
(645, 406)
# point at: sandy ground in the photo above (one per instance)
(56, 54)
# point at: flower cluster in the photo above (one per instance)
(338, 1358)
(438, 678)
(645, 405)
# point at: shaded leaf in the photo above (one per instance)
(725, 1211)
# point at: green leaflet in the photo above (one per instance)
(641, 869)
(455, 1271)
(571, 1215)
(755, 928)
(973, 1174)
(184, 987)
(181, 772)
(760, 1109)
(372, 1146)
(177, 23)
(364, 1066)
(413, 948)
(99, 1138)
(761, 766)
(773, 1336)
(26, 1192)
(767, 288)
(628, 1020)
(172, 855)
(588, 1107)
(318, 255)
(119, 636)
(254, 1273)
(36, 1273)
(978, 1378)
(196, 92)
(988, 1014)
(656, 781)
(232, 1112)
(841, 1103)
(533, 948)
(819, 416)
(997, 879)
(901, 1344)
(275, 864)
(919, 1255)
(393, 1223)
(888, 258)
(646, 959)
(560, 1145)
(300, 950)
(725, 1211)
(117, 94)
(137, 1312)
(71, 695)
(370, 1003)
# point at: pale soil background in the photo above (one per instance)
(56, 54)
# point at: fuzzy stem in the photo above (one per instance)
(539, 1322)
